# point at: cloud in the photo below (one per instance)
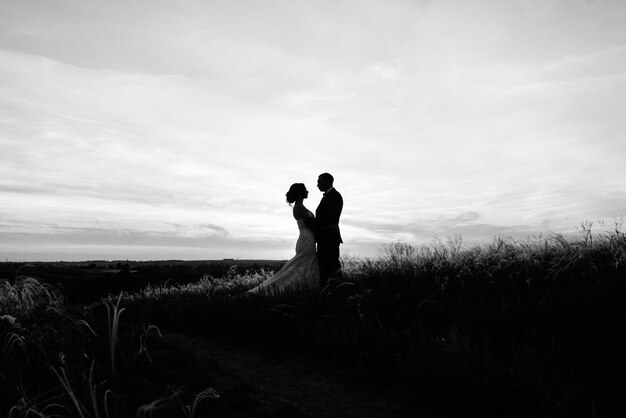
(127, 245)
(193, 119)
(204, 241)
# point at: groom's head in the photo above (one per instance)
(325, 182)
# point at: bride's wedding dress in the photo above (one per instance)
(301, 271)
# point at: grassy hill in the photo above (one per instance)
(511, 328)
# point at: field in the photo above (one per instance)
(533, 328)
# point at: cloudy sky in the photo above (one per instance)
(153, 129)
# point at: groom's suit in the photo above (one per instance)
(327, 233)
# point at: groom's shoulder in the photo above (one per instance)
(336, 195)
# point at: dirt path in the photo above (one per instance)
(253, 384)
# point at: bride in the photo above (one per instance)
(302, 270)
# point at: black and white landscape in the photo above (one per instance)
(147, 150)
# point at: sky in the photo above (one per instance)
(156, 130)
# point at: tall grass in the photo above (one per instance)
(516, 327)
(532, 327)
(25, 298)
(113, 315)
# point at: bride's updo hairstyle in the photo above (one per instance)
(296, 191)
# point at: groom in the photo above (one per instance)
(327, 232)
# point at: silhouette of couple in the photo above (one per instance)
(310, 267)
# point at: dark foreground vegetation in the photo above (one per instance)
(519, 329)
(89, 281)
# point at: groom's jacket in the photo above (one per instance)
(327, 218)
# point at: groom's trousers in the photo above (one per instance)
(328, 260)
